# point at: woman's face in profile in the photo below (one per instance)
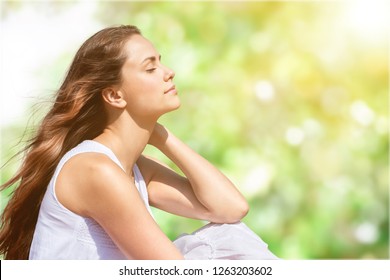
(146, 83)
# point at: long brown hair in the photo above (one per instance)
(76, 115)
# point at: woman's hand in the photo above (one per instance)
(159, 136)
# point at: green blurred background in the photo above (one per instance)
(288, 99)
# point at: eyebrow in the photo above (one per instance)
(151, 59)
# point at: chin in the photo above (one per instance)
(169, 109)
(177, 106)
(174, 105)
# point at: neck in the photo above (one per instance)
(127, 138)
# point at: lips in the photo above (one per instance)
(172, 90)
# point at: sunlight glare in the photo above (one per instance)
(368, 19)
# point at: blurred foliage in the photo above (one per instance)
(290, 101)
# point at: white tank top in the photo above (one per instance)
(62, 234)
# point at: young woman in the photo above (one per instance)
(84, 187)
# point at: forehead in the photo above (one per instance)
(137, 48)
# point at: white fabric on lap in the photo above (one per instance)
(223, 241)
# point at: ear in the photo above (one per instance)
(114, 98)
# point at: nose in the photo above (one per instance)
(169, 74)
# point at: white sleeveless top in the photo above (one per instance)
(62, 234)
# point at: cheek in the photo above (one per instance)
(143, 84)
(143, 94)
(142, 100)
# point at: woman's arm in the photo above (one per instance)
(205, 193)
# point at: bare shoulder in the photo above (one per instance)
(85, 177)
(92, 161)
(91, 167)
